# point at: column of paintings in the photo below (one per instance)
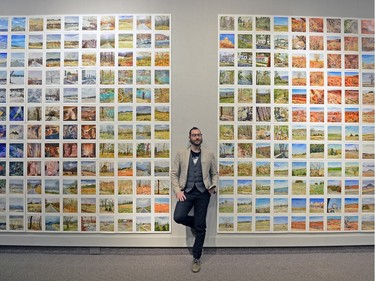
(85, 123)
(296, 124)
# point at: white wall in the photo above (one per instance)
(194, 99)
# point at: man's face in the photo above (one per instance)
(195, 137)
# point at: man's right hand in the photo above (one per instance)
(180, 196)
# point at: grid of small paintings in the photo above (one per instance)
(296, 124)
(85, 123)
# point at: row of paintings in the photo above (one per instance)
(295, 118)
(313, 223)
(315, 96)
(89, 131)
(295, 114)
(90, 185)
(297, 150)
(85, 23)
(296, 132)
(54, 150)
(84, 186)
(52, 60)
(243, 23)
(227, 168)
(107, 205)
(72, 113)
(84, 125)
(89, 41)
(266, 168)
(86, 223)
(297, 78)
(15, 151)
(74, 168)
(293, 42)
(281, 60)
(245, 205)
(161, 150)
(74, 77)
(84, 95)
(283, 187)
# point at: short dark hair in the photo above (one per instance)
(194, 128)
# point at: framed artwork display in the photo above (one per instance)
(296, 129)
(85, 122)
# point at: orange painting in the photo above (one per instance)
(298, 24)
(316, 225)
(334, 43)
(351, 44)
(125, 172)
(334, 115)
(316, 24)
(333, 61)
(144, 188)
(317, 116)
(317, 43)
(316, 78)
(333, 224)
(299, 78)
(334, 97)
(161, 208)
(368, 97)
(368, 26)
(351, 225)
(351, 208)
(299, 115)
(351, 96)
(298, 225)
(162, 59)
(351, 61)
(299, 98)
(351, 116)
(316, 61)
(368, 116)
(334, 79)
(299, 61)
(316, 96)
(351, 79)
(227, 41)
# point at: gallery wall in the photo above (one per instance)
(194, 100)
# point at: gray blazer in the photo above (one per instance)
(180, 167)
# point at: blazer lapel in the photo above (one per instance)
(203, 161)
(186, 161)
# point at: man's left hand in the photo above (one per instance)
(212, 191)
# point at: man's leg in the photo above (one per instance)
(181, 212)
(200, 212)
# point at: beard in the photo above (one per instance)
(196, 142)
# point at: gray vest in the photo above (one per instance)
(195, 176)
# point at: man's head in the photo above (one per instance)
(195, 136)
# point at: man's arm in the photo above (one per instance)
(213, 173)
(175, 175)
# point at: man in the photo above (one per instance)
(194, 178)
